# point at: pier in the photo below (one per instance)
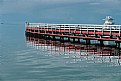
(103, 34)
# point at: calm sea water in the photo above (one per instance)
(29, 59)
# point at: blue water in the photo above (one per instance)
(22, 60)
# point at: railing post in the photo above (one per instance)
(87, 30)
(110, 31)
(59, 29)
(37, 29)
(48, 28)
(102, 31)
(64, 29)
(80, 29)
(45, 28)
(34, 28)
(51, 29)
(55, 29)
(119, 31)
(41, 28)
(69, 29)
(94, 31)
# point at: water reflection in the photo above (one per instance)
(76, 52)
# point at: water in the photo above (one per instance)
(22, 59)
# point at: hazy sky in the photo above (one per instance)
(59, 11)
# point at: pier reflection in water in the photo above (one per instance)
(77, 52)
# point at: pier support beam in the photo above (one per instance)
(49, 37)
(53, 38)
(68, 39)
(74, 40)
(78, 40)
(101, 43)
(118, 44)
(62, 39)
(88, 41)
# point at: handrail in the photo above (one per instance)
(75, 27)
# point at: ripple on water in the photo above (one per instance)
(52, 65)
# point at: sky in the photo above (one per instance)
(59, 11)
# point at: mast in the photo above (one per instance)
(108, 20)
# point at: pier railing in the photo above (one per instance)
(77, 31)
(75, 26)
